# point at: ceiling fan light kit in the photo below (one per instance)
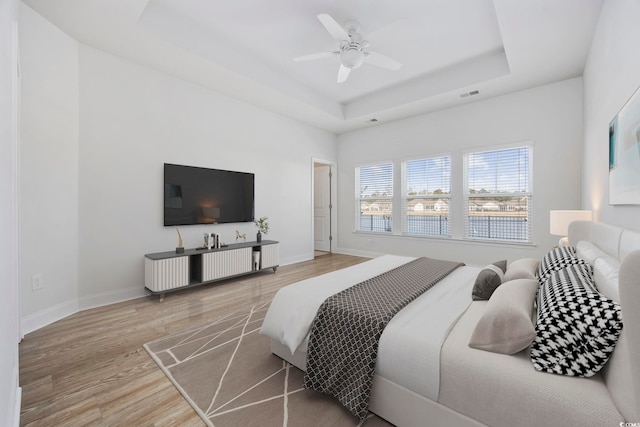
(352, 58)
(352, 49)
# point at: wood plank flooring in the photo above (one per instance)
(90, 368)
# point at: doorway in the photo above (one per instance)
(323, 210)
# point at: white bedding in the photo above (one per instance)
(409, 349)
(292, 310)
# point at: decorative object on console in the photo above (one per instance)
(624, 154)
(179, 248)
(212, 241)
(263, 227)
(559, 222)
(241, 236)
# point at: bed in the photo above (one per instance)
(431, 373)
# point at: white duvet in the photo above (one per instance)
(409, 349)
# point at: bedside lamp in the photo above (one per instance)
(559, 222)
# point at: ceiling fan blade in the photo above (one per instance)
(320, 55)
(382, 61)
(335, 29)
(343, 73)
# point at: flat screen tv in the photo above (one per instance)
(194, 195)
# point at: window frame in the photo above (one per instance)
(405, 197)
(529, 195)
(386, 220)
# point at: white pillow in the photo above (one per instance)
(524, 268)
(588, 251)
(605, 276)
(507, 324)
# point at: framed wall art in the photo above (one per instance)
(624, 154)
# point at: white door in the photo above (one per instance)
(322, 207)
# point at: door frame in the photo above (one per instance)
(333, 216)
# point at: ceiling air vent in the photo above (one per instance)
(472, 93)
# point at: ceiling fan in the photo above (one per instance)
(352, 50)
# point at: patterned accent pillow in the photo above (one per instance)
(488, 280)
(557, 259)
(577, 327)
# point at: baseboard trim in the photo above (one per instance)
(293, 260)
(14, 402)
(37, 320)
(108, 298)
(49, 315)
(355, 252)
(17, 407)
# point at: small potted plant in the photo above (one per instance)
(263, 227)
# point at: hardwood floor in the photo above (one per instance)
(90, 368)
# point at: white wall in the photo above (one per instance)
(96, 132)
(611, 76)
(549, 116)
(48, 170)
(132, 120)
(9, 254)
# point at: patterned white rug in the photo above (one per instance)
(227, 373)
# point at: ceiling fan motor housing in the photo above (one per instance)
(351, 53)
(353, 48)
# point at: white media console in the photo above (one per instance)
(169, 271)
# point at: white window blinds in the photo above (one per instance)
(374, 196)
(498, 195)
(426, 195)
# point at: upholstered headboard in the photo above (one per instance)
(614, 253)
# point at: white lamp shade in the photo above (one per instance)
(559, 220)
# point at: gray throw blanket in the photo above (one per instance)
(343, 342)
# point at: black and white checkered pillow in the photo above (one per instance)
(557, 259)
(577, 327)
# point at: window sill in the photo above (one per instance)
(448, 239)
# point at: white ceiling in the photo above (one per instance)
(244, 49)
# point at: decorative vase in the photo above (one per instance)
(259, 236)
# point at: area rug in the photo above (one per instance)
(227, 372)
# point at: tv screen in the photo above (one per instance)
(194, 195)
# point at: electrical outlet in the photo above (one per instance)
(36, 282)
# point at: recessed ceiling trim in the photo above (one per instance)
(165, 23)
(250, 44)
(480, 69)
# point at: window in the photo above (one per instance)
(498, 194)
(426, 195)
(374, 194)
